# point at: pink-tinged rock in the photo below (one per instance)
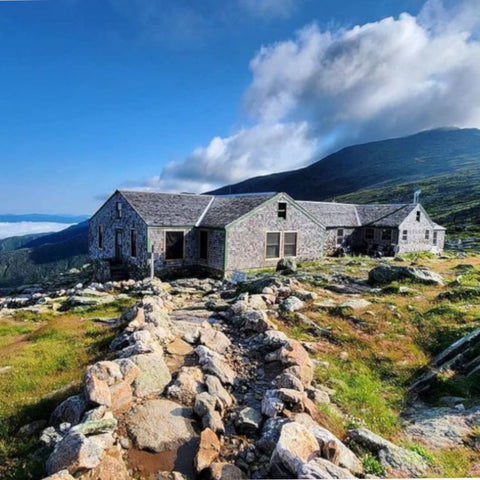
(208, 450)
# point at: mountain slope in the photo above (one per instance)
(41, 257)
(42, 217)
(430, 160)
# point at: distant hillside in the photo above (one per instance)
(13, 243)
(41, 217)
(444, 163)
(43, 256)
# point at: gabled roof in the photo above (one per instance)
(384, 215)
(167, 209)
(332, 214)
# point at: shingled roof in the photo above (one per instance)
(168, 209)
(332, 214)
(384, 215)
(228, 208)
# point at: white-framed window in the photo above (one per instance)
(340, 236)
(290, 244)
(273, 245)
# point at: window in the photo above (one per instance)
(435, 238)
(273, 245)
(174, 245)
(118, 210)
(100, 236)
(387, 234)
(203, 244)
(340, 234)
(282, 210)
(290, 244)
(133, 242)
(427, 234)
(418, 216)
(369, 233)
(404, 235)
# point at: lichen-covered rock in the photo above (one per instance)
(154, 375)
(384, 274)
(287, 265)
(216, 389)
(70, 410)
(256, 321)
(213, 363)
(111, 467)
(296, 446)
(249, 420)
(159, 425)
(189, 383)
(96, 391)
(322, 468)
(214, 339)
(291, 304)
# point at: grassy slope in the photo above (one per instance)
(47, 354)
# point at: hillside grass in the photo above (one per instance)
(47, 355)
(376, 353)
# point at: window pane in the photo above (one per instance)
(282, 210)
(173, 245)
(273, 245)
(290, 244)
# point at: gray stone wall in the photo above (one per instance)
(216, 249)
(416, 241)
(110, 224)
(350, 238)
(246, 240)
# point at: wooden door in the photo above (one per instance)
(118, 245)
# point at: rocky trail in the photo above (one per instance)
(202, 383)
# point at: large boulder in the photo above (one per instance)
(296, 446)
(154, 375)
(397, 461)
(70, 411)
(384, 274)
(287, 265)
(322, 468)
(160, 425)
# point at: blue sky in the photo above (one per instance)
(187, 95)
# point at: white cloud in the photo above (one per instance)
(13, 229)
(383, 79)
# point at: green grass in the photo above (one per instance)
(372, 466)
(48, 355)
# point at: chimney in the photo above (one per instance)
(416, 197)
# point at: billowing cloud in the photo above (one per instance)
(383, 79)
(13, 229)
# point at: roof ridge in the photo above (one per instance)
(167, 193)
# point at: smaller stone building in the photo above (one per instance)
(367, 229)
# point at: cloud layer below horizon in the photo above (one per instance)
(323, 90)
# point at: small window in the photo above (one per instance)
(174, 245)
(203, 244)
(133, 243)
(100, 236)
(427, 234)
(273, 245)
(387, 234)
(369, 233)
(290, 244)
(435, 238)
(118, 210)
(404, 235)
(282, 210)
(340, 236)
(418, 216)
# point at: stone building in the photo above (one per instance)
(219, 234)
(202, 233)
(366, 229)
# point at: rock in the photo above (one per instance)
(274, 339)
(204, 404)
(305, 295)
(346, 458)
(74, 453)
(322, 468)
(208, 450)
(318, 396)
(225, 471)
(31, 428)
(215, 340)
(212, 363)
(111, 467)
(256, 321)
(270, 434)
(216, 389)
(296, 446)
(213, 421)
(96, 391)
(189, 382)
(249, 420)
(355, 304)
(384, 274)
(154, 374)
(121, 396)
(291, 304)
(287, 380)
(257, 301)
(128, 370)
(95, 427)
(70, 410)
(62, 475)
(50, 437)
(287, 266)
(159, 425)
(271, 404)
(395, 460)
